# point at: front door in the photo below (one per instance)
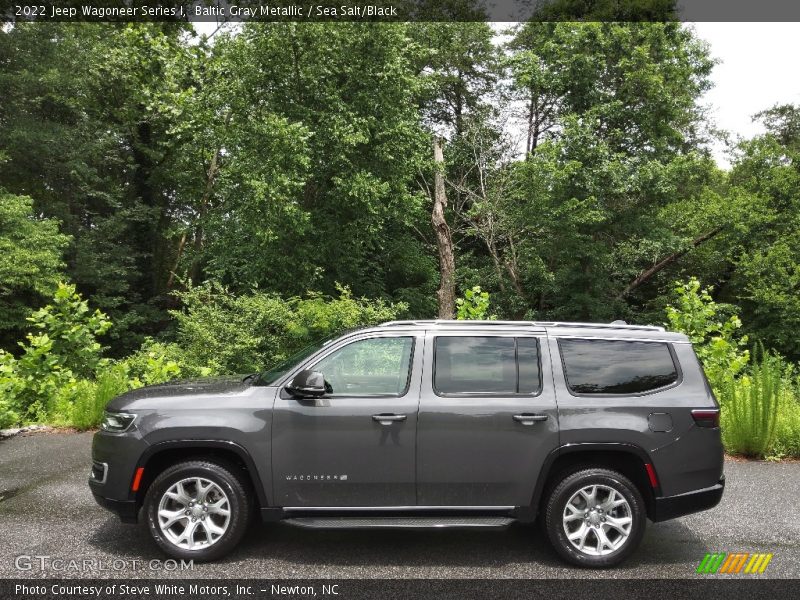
(356, 445)
(487, 419)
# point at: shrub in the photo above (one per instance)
(63, 349)
(787, 429)
(81, 403)
(9, 388)
(474, 305)
(73, 330)
(225, 333)
(751, 406)
(111, 382)
(30, 383)
(8, 417)
(713, 336)
(156, 362)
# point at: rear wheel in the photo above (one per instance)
(595, 518)
(198, 509)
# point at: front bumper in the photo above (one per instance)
(126, 510)
(670, 507)
(114, 460)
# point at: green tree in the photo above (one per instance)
(85, 131)
(32, 250)
(592, 217)
(713, 334)
(474, 305)
(763, 272)
(62, 348)
(348, 89)
(235, 333)
(458, 68)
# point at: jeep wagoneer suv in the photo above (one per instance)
(591, 428)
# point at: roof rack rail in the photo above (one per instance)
(438, 322)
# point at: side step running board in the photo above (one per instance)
(399, 522)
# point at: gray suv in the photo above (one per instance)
(593, 428)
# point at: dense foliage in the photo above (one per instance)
(759, 398)
(224, 201)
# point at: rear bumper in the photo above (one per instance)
(126, 510)
(670, 507)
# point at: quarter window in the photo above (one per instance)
(617, 367)
(370, 367)
(486, 365)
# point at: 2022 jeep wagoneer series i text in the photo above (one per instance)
(412, 424)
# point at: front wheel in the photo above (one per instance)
(198, 509)
(595, 518)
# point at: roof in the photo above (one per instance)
(617, 329)
(547, 324)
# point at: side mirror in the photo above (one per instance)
(307, 384)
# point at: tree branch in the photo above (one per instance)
(645, 275)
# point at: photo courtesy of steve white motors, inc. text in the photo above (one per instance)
(193, 590)
(198, 11)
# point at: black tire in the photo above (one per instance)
(230, 481)
(555, 506)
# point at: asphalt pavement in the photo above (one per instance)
(46, 510)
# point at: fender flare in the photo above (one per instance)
(621, 447)
(200, 444)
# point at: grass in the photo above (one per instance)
(761, 410)
(81, 404)
(750, 408)
(787, 434)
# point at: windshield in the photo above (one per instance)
(277, 371)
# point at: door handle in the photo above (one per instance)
(388, 419)
(527, 419)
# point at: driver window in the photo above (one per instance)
(370, 367)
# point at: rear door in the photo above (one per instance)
(487, 418)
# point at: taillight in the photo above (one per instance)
(706, 417)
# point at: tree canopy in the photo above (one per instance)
(141, 161)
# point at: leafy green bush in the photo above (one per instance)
(32, 263)
(224, 333)
(787, 431)
(8, 416)
(81, 403)
(63, 349)
(73, 330)
(156, 362)
(695, 313)
(751, 406)
(474, 305)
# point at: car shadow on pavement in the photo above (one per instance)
(664, 543)
(124, 541)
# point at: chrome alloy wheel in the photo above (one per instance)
(597, 520)
(194, 513)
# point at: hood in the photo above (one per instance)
(181, 389)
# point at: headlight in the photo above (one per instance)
(116, 422)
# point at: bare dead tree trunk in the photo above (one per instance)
(444, 239)
(645, 275)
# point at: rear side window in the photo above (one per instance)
(486, 365)
(617, 367)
